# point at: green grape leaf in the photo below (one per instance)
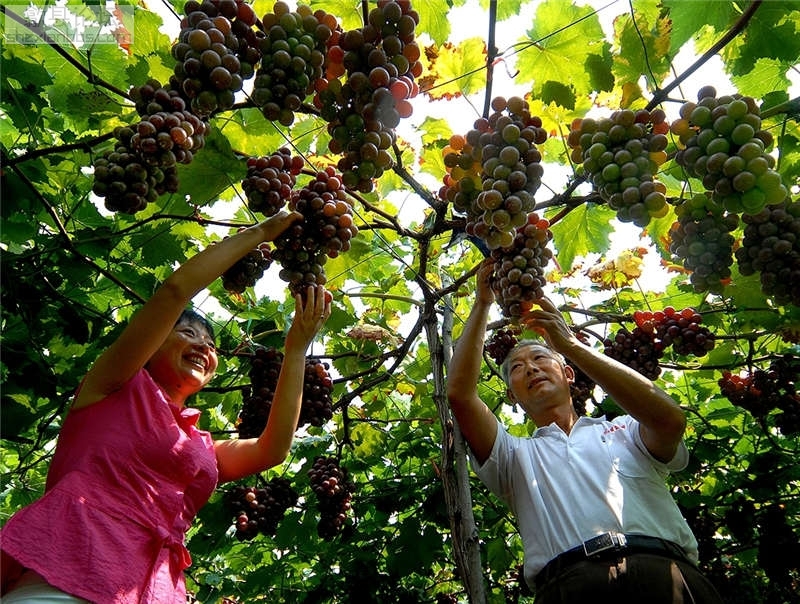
(561, 37)
(767, 75)
(581, 231)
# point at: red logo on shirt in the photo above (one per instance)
(614, 428)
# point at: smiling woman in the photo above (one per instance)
(131, 469)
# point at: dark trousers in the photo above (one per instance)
(631, 579)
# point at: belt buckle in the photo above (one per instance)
(602, 543)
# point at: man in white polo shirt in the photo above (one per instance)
(595, 516)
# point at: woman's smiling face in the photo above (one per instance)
(185, 362)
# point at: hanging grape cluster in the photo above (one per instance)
(462, 179)
(762, 391)
(317, 404)
(325, 230)
(620, 155)
(495, 172)
(701, 238)
(638, 349)
(771, 247)
(215, 53)
(167, 133)
(125, 181)
(334, 494)
(259, 510)
(247, 270)
(270, 180)
(680, 329)
(501, 343)
(293, 52)
(370, 76)
(265, 367)
(725, 147)
(518, 276)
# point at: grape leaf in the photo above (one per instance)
(433, 14)
(643, 49)
(582, 231)
(454, 71)
(767, 75)
(691, 16)
(562, 38)
(212, 170)
(773, 32)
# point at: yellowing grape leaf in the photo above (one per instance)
(642, 49)
(452, 71)
(619, 272)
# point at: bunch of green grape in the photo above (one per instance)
(701, 239)
(500, 149)
(518, 277)
(725, 147)
(292, 59)
(621, 155)
(462, 180)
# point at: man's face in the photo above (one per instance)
(537, 379)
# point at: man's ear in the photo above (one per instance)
(570, 373)
(511, 397)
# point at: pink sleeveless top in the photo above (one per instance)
(128, 476)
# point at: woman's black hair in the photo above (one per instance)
(190, 316)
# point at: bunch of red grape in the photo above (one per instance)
(760, 391)
(620, 155)
(638, 349)
(214, 38)
(126, 181)
(496, 171)
(326, 230)
(771, 247)
(317, 404)
(265, 367)
(292, 59)
(702, 240)
(259, 510)
(518, 276)
(247, 270)
(334, 495)
(725, 147)
(270, 179)
(379, 63)
(680, 329)
(501, 343)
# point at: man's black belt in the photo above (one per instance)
(610, 545)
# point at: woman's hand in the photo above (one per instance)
(274, 226)
(310, 313)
